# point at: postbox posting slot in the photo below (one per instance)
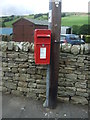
(43, 35)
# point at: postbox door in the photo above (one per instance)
(42, 55)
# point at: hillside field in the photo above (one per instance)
(74, 20)
(65, 21)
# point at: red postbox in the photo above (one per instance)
(42, 44)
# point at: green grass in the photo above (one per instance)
(9, 24)
(29, 16)
(74, 20)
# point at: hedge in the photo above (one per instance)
(87, 38)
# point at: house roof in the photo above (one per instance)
(36, 22)
(6, 31)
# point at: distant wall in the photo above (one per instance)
(20, 75)
(6, 38)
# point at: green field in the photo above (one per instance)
(74, 20)
(65, 21)
(9, 24)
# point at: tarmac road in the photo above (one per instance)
(21, 107)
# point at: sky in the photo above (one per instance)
(23, 7)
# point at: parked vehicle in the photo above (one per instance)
(71, 39)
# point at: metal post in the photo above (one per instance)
(53, 68)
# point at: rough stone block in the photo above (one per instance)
(22, 84)
(88, 85)
(22, 70)
(83, 94)
(9, 74)
(4, 89)
(16, 92)
(80, 59)
(75, 49)
(71, 76)
(14, 70)
(61, 88)
(10, 45)
(61, 83)
(12, 55)
(23, 89)
(4, 46)
(25, 65)
(60, 79)
(60, 74)
(69, 84)
(88, 91)
(80, 64)
(21, 59)
(66, 47)
(23, 55)
(32, 85)
(69, 69)
(25, 48)
(6, 78)
(11, 85)
(31, 95)
(81, 77)
(32, 47)
(82, 49)
(87, 77)
(38, 76)
(63, 99)
(4, 64)
(12, 65)
(40, 91)
(70, 93)
(81, 90)
(41, 86)
(81, 84)
(87, 49)
(42, 97)
(78, 99)
(25, 75)
(42, 82)
(62, 94)
(6, 69)
(31, 70)
(16, 78)
(16, 48)
(70, 89)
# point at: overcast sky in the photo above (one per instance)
(20, 7)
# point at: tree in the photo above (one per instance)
(63, 15)
(37, 15)
(84, 29)
(75, 29)
(3, 24)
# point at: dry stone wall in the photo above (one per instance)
(20, 75)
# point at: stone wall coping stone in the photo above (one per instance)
(26, 46)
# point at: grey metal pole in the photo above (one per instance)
(53, 68)
(46, 103)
